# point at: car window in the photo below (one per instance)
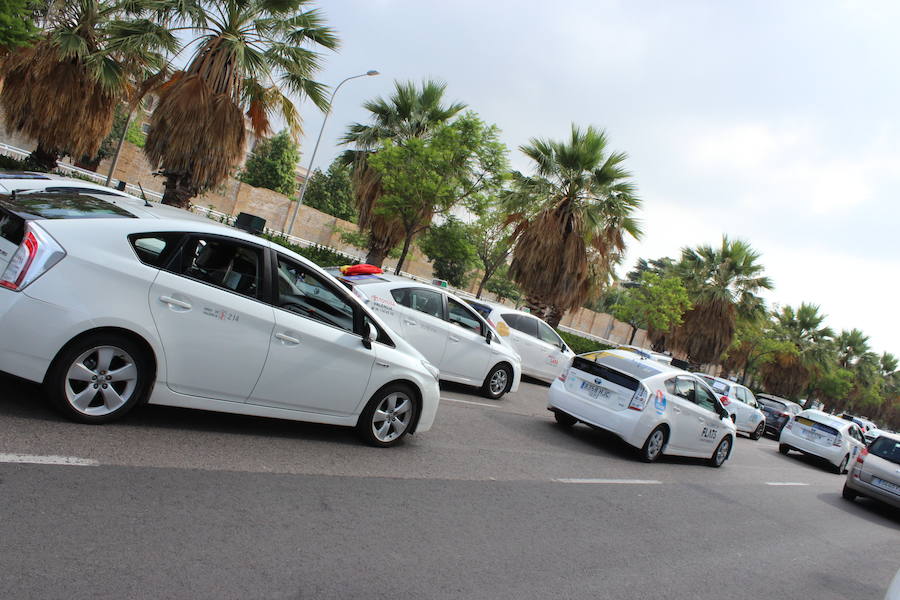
(719, 386)
(425, 301)
(704, 398)
(751, 399)
(547, 334)
(82, 190)
(227, 264)
(741, 394)
(307, 294)
(886, 448)
(855, 432)
(462, 316)
(154, 249)
(682, 387)
(523, 323)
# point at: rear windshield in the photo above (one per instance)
(719, 386)
(817, 426)
(12, 227)
(886, 448)
(605, 372)
(63, 206)
(769, 403)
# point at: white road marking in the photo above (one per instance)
(618, 481)
(469, 402)
(786, 483)
(33, 459)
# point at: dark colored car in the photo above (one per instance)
(778, 412)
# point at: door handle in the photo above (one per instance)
(453, 338)
(287, 339)
(408, 322)
(175, 302)
(676, 409)
(701, 419)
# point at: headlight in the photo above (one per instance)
(435, 372)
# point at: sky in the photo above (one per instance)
(770, 121)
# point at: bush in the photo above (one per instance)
(321, 255)
(9, 163)
(580, 344)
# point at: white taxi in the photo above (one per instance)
(654, 407)
(741, 403)
(544, 354)
(826, 436)
(440, 325)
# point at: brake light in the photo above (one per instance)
(861, 458)
(639, 400)
(725, 400)
(34, 257)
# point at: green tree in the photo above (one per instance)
(491, 237)
(789, 373)
(16, 27)
(273, 164)
(250, 57)
(657, 302)
(449, 248)
(64, 89)
(503, 287)
(331, 191)
(571, 220)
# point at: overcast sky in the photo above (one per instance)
(776, 122)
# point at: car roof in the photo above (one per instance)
(633, 364)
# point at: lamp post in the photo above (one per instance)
(316, 147)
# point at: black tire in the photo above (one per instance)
(723, 450)
(842, 468)
(497, 382)
(101, 356)
(391, 431)
(784, 448)
(653, 446)
(848, 494)
(564, 419)
(758, 432)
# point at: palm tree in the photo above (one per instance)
(245, 53)
(63, 90)
(788, 373)
(722, 282)
(571, 219)
(410, 112)
(852, 346)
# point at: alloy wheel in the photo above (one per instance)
(101, 380)
(498, 381)
(392, 417)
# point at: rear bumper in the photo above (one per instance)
(833, 454)
(624, 423)
(871, 491)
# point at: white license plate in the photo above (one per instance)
(594, 391)
(886, 485)
(814, 436)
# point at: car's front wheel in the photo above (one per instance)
(721, 454)
(842, 468)
(388, 416)
(497, 381)
(758, 432)
(99, 378)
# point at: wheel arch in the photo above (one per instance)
(512, 372)
(417, 400)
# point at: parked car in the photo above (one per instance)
(876, 472)
(740, 402)
(864, 424)
(872, 434)
(654, 407)
(644, 353)
(778, 412)
(544, 354)
(446, 330)
(197, 315)
(817, 433)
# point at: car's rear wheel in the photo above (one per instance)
(388, 416)
(758, 432)
(842, 468)
(784, 448)
(564, 419)
(99, 378)
(497, 381)
(721, 454)
(848, 494)
(653, 447)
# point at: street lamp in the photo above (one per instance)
(316, 147)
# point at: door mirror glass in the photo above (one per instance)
(489, 336)
(370, 332)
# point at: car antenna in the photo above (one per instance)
(144, 196)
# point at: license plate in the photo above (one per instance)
(594, 391)
(886, 485)
(819, 438)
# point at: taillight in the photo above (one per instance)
(862, 456)
(838, 440)
(725, 400)
(639, 400)
(36, 254)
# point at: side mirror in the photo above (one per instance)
(370, 332)
(489, 336)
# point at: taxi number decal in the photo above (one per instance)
(709, 434)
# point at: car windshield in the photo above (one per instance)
(63, 206)
(886, 448)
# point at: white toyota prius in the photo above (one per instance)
(654, 407)
(817, 433)
(108, 310)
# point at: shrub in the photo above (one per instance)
(580, 344)
(9, 163)
(321, 255)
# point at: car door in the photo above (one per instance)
(317, 361)
(523, 332)
(468, 355)
(857, 441)
(555, 353)
(691, 432)
(421, 315)
(212, 322)
(742, 412)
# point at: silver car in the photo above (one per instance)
(876, 472)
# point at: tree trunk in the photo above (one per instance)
(481, 285)
(535, 306)
(178, 192)
(407, 241)
(375, 257)
(553, 316)
(43, 158)
(633, 333)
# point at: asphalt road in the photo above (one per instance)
(495, 502)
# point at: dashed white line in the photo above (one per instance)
(786, 483)
(468, 402)
(34, 459)
(612, 481)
